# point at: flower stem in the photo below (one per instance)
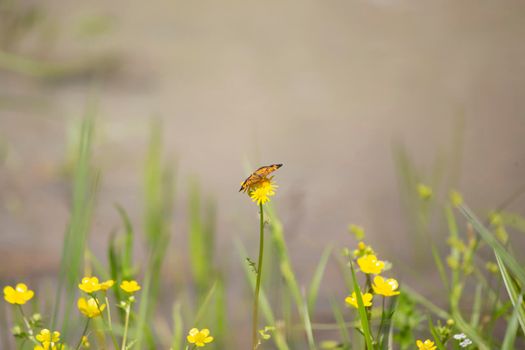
(258, 283)
(110, 327)
(126, 324)
(28, 326)
(83, 334)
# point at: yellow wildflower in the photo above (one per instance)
(89, 285)
(47, 339)
(85, 342)
(352, 299)
(424, 191)
(89, 307)
(106, 285)
(199, 338)
(385, 287)
(370, 265)
(46, 346)
(357, 231)
(18, 295)
(262, 191)
(426, 345)
(130, 286)
(455, 198)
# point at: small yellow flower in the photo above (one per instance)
(47, 339)
(89, 285)
(199, 338)
(130, 286)
(46, 346)
(426, 345)
(424, 191)
(370, 265)
(262, 191)
(18, 295)
(352, 299)
(89, 307)
(106, 285)
(357, 231)
(85, 342)
(455, 198)
(385, 287)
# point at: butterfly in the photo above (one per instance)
(258, 175)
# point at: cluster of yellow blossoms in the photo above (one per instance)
(370, 265)
(92, 307)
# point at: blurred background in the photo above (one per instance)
(341, 92)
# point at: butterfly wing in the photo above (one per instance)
(258, 175)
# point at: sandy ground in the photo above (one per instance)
(327, 88)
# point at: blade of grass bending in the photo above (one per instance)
(418, 298)
(278, 338)
(204, 305)
(435, 334)
(338, 315)
(313, 290)
(362, 311)
(512, 291)
(487, 236)
(512, 327)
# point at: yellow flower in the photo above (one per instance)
(106, 285)
(455, 198)
(89, 285)
(426, 345)
(262, 191)
(18, 295)
(424, 191)
(357, 231)
(199, 338)
(130, 286)
(352, 299)
(370, 265)
(385, 287)
(89, 307)
(85, 342)
(46, 336)
(46, 346)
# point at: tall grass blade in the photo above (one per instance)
(343, 329)
(362, 311)
(158, 193)
(513, 291)
(509, 260)
(512, 327)
(83, 195)
(313, 290)
(177, 342)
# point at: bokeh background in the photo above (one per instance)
(335, 90)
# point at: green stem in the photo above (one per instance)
(110, 327)
(28, 326)
(126, 324)
(258, 283)
(83, 334)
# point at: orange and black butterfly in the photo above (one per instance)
(258, 175)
